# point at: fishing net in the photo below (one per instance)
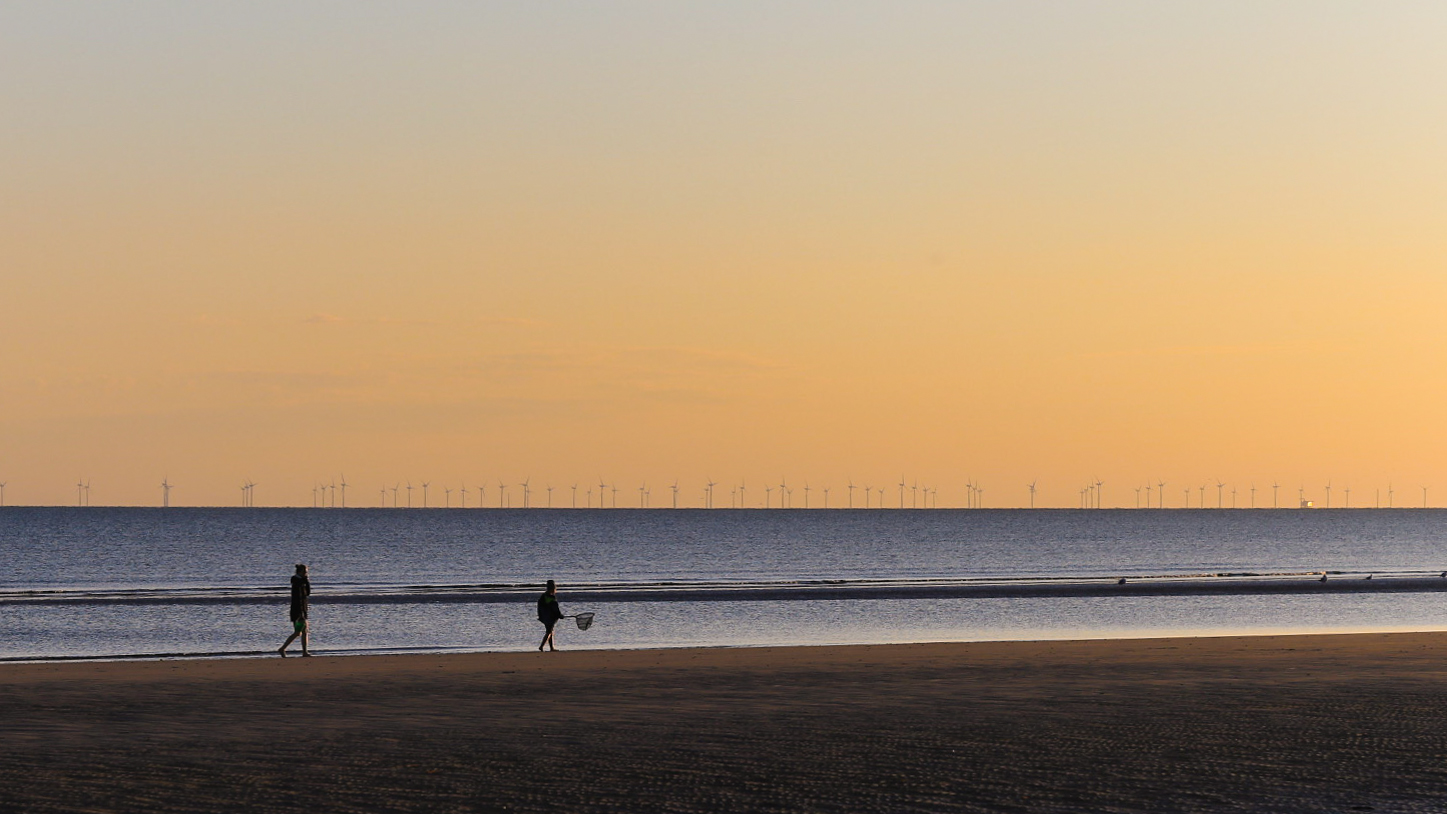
(584, 620)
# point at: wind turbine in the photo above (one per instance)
(447, 497)
(1253, 494)
(1301, 497)
(425, 484)
(1219, 486)
(1424, 497)
(384, 497)
(1037, 480)
(409, 494)
(1161, 493)
(1148, 494)
(463, 492)
(867, 489)
(783, 493)
(1389, 494)
(1203, 496)
(1274, 503)
(79, 491)
(806, 494)
(1098, 491)
(1137, 498)
(575, 495)
(708, 504)
(395, 489)
(826, 497)
(2, 493)
(482, 493)
(768, 496)
(550, 496)
(166, 492)
(743, 489)
(527, 492)
(502, 495)
(674, 487)
(1328, 494)
(881, 497)
(914, 495)
(589, 496)
(641, 490)
(901, 491)
(1348, 490)
(344, 491)
(602, 490)
(614, 487)
(851, 493)
(1233, 497)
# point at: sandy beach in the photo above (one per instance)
(1288, 723)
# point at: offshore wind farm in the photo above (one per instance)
(911, 494)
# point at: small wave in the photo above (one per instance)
(1220, 584)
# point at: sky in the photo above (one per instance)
(944, 243)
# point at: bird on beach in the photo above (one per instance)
(1323, 577)
(1120, 581)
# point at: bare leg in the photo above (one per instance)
(304, 628)
(547, 640)
(288, 642)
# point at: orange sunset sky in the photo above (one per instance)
(958, 242)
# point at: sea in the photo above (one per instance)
(95, 582)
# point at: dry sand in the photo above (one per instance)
(1301, 723)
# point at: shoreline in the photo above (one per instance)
(648, 657)
(1231, 723)
(1145, 635)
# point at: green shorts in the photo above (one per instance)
(299, 623)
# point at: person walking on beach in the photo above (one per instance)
(549, 613)
(301, 588)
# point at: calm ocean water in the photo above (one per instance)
(128, 581)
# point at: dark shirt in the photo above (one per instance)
(548, 610)
(301, 588)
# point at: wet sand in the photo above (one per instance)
(1301, 723)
